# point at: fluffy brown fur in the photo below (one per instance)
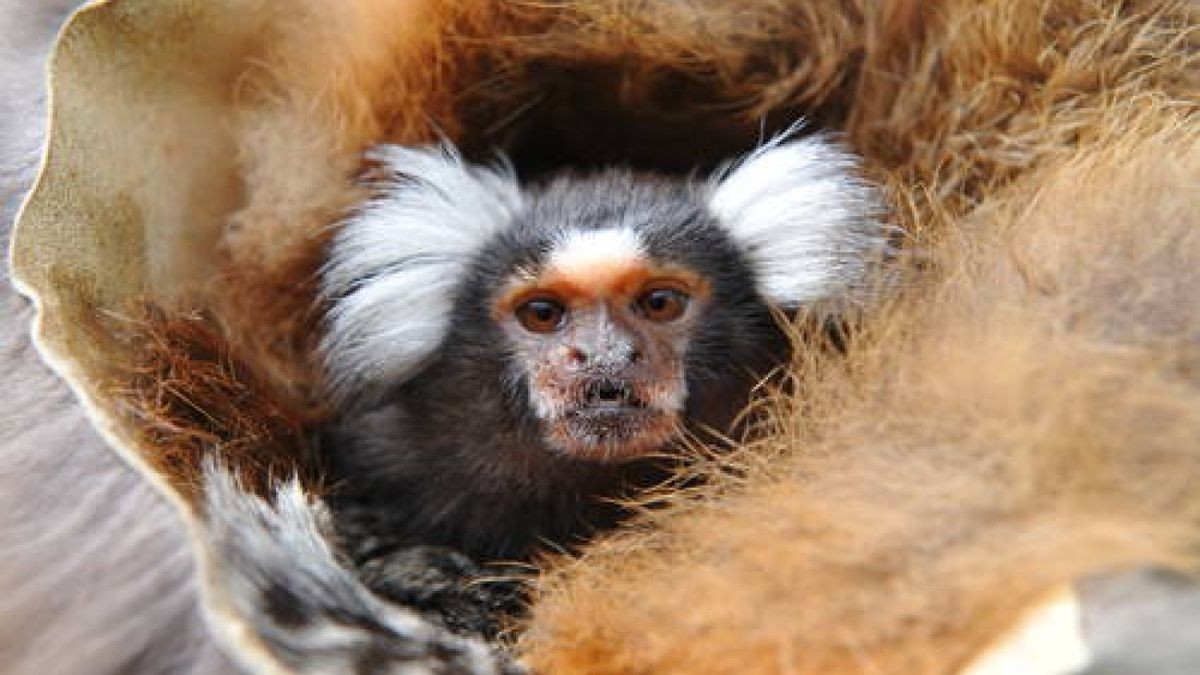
(1029, 419)
(188, 397)
(337, 78)
(958, 98)
(1024, 414)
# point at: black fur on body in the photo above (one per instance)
(454, 456)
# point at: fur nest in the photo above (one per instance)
(1025, 413)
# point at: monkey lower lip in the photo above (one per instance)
(613, 432)
(602, 407)
(613, 410)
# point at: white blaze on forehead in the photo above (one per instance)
(582, 252)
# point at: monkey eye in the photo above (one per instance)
(662, 304)
(541, 315)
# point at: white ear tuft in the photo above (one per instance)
(808, 223)
(395, 264)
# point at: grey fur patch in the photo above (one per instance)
(1144, 620)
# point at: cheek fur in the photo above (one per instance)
(668, 395)
(551, 394)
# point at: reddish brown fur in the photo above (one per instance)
(338, 78)
(188, 397)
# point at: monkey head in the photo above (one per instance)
(600, 316)
(607, 311)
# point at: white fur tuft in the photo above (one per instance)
(809, 225)
(394, 265)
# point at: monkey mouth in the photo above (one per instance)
(612, 433)
(605, 394)
(611, 422)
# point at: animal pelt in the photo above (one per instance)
(1022, 414)
(96, 566)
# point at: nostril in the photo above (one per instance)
(577, 356)
(635, 356)
(609, 392)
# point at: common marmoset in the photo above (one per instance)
(507, 359)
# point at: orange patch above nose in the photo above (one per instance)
(590, 267)
(596, 281)
(594, 264)
(616, 282)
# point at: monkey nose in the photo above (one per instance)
(610, 358)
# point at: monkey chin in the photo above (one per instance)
(611, 434)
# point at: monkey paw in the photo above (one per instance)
(446, 586)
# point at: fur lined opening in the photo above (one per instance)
(1004, 364)
(953, 98)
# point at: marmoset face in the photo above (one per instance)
(600, 333)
